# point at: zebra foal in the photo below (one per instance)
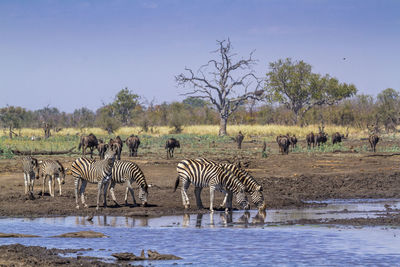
(54, 170)
(30, 168)
(208, 175)
(129, 172)
(252, 186)
(85, 170)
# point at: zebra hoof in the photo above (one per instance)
(85, 206)
(77, 207)
(97, 208)
(187, 206)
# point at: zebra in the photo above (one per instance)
(204, 175)
(30, 168)
(127, 171)
(245, 178)
(54, 170)
(86, 170)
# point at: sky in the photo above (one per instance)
(74, 54)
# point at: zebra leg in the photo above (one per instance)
(223, 204)
(185, 198)
(99, 186)
(197, 193)
(129, 187)
(105, 184)
(44, 182)
(76, 183)
(59, 185)
(53, 184)
(82, 192)
(26, 183)
(112, 193)
(31, 183)
(229, 197)
(212, 190)
(50, 183)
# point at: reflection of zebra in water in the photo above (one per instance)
(204, 175)
(54, 170)
(30, 168)
(85, 170)
(129, 172)
(245, 178)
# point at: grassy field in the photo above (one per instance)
(202, 138)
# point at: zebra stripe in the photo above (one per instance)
(85, 170)
(252, 186)
(129, 172)
(30, 169)
(203, 175)
(54, 170)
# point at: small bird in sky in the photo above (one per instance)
(344, 58)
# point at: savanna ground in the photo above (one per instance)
(348, 170)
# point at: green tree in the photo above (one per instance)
(177, 116)
(106, 119)
(83, 117)
(11, 117)
(293, 84)
(388, 110)
(124, 105)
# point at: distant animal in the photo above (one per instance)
(128, 172)
(102, 148)
(53, 169)
(337, 138)
(133, 143)
(85, 170)
(283, 143)
(35, 138)
(89, 141)
(373, 140)
(117, 146)
(170, 146)
(292, 140)
(310, 138)
(208, 175)
(239, 139)
(321, 137)
(252, 186)
(30, 168)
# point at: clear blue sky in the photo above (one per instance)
(72, 54)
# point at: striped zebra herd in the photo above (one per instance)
(106, 173)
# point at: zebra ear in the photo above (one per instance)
(259, 188)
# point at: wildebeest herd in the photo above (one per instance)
(109, 170)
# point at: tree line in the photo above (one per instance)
(226, 89)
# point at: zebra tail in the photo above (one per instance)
(176, 183)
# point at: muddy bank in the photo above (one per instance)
(287, 181)
(20, 255)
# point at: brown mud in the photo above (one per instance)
(287, 180)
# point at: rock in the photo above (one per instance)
(125, 256)
(154, 255)
(83, 234)
(8, 235)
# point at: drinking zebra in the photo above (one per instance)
(254, 189)
(85, 170)
(129, 172)
(30, 168)
(54, 170)
(204, 175)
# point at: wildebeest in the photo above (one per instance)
(292, 140)
(321, 137)
(310, 138)
(337, 138)
(373, 140)
(283, 143)
(102, 148)
(116, 144)
(170, 146)
(133, 143)
(239, 139)
(89, 141)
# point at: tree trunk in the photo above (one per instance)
(222, 126)
(10, 132)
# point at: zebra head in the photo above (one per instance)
(143, 194)
(61, 172)
(241, 200)
(258, 198)
(110, 153)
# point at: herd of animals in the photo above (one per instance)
(228, 178)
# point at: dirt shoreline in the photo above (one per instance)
(287, 180)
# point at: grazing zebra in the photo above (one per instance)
(126, 171)
(86, 170)
(245, 178)
(30, 168)
(54, 170)
(204, 175)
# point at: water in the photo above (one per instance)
(248, 239)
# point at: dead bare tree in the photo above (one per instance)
(225, 82)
